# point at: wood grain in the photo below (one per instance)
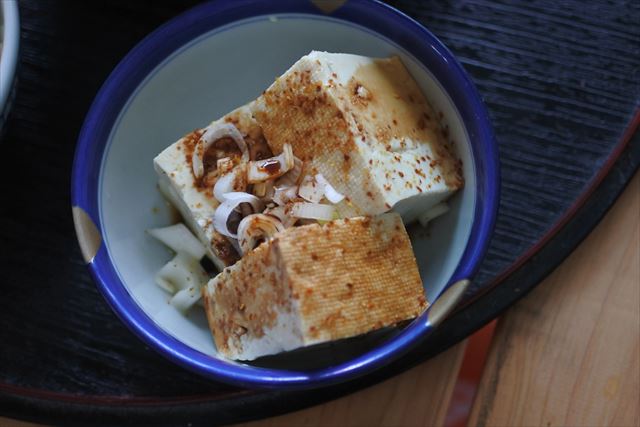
(569, 353)
(418, 397)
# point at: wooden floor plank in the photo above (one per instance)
(568, 354)
(418, 397)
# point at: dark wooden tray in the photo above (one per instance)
(561, 83)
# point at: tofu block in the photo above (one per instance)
(366, 126)
(312, 284)
(194, 197)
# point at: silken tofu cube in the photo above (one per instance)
(313, 284)
(365, 125)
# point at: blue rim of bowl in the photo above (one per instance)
(151, 51)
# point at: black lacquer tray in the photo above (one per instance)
(562, 83)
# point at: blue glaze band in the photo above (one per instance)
(156, 47)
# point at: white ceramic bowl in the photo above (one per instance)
(197, 68)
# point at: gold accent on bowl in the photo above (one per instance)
(328, 6)
(89, 237)
(446, 302)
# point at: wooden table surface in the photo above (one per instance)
(568, 354)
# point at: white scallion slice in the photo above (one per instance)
(179, 239)
(311, 190)
(223, 185)
(271, 168)
(211, 134)
(290, 178)
(283, 213)
(231, 210)
(234, 181)
(282, 195)
(257, 227)
(245, 197)
(435, 211)
(312, 211)
(269, 192)
(329, 192)
(265, 190)
(182, 272)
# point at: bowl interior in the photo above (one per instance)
(202, 81)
